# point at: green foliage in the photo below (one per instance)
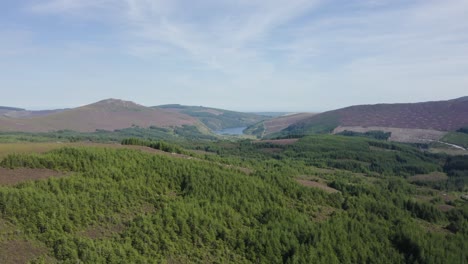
(240, 205)
(161, 145)
(173, 134)
(463, 130)
(456, 168)
(362, 155)
(256, 129)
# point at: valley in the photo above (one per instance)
(243, 132)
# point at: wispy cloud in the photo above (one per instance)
(63, 6)
(300, 50)
(210, 32)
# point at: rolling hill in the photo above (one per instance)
(274, 125)
(213, 118)
(427, 120)
(108, 115)
(23, 113)
(6, 109)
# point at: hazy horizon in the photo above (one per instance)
(37, 108)
(249, 56)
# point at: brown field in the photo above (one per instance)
(315, 184)
(11, 177)
(431, 177)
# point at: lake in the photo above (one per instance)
(231, 131)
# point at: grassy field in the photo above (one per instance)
(456, 138)
(232, 202)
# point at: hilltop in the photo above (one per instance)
(110, 114)
(214, 118)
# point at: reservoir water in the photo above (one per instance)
(231, 131)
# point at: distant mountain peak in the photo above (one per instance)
(115, 104)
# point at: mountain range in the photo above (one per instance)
(113, 114)
(407, 122)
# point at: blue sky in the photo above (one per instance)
(248, 55)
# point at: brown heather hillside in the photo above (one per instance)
(27, 113)
(439, 115)
(108, 114)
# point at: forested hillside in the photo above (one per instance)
(320, 199)
(216, 119)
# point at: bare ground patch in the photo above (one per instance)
(431, 177)
(398, 134)
(102, 232)
(318, 185)
(114, 225)
(433, 228)
(14, 176)
(8, 231)
(20, 251)
(445, 207)
(287, 141)
(323, 213)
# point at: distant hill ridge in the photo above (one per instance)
(447, 115)
(214, 118)
(109, 114)
(7, 108)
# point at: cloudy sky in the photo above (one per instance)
(249, 55)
